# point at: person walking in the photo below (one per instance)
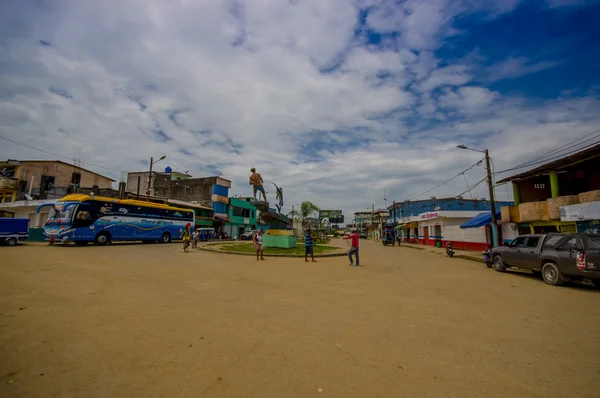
(195, 239)
(256, 181)
(308, 246)
(354, 247)
(258, 244)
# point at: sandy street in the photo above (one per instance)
(135, 320)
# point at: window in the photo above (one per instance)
(533, 242)
(240, 212)
(519, 242)
(553, 240)
(570, 244)
(593, 242)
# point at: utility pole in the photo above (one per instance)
(150, 177)
(373, 221)
(495, 239)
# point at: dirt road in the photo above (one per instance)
(150, 321)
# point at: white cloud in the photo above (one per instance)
(512, 68)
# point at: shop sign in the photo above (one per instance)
(429, 216)
(581, 212)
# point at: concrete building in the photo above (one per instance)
(371, 220)
(46, 179)
(547, 197)
(433, 221)
(212, 192)
(242, 217)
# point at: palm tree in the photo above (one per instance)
(306, 209)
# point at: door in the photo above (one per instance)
(514, 250)
(425, 235)
(528, 257)
(567, 255)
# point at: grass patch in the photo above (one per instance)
(249, 248)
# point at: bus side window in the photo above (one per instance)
(84, 216)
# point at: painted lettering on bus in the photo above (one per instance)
(157, 222)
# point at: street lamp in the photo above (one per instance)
(152, 162)
(491, 190)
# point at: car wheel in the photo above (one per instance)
(102, 238)
(552, 275)
(499, 264)
(11, 241)
(165, 238)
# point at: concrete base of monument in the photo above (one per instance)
(283, 238)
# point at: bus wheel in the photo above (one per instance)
(81, 243)
(11, 241)
(165, 238)
(102, 238)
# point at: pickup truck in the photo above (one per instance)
(558, 257)
(13, 230)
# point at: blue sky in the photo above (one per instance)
(335, 100)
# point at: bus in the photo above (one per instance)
(83, 219)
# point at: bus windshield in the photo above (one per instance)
(61, 211)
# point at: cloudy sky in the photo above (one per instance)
(335, 100)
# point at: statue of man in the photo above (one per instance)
(257, 183)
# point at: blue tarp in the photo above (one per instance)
(480, 220)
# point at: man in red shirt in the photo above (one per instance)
(354, 248)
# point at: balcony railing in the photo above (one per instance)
(9, 183)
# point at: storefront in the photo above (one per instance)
(585, 216)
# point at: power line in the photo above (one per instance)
(448, 180)
(55, 154)
(551, 159)
(553, 153)
(469, 189)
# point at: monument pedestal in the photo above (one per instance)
(283, 238)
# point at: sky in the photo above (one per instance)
(340, 102)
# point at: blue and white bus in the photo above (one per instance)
(84, 218)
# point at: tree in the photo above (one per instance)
(306, 209)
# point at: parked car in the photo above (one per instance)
(363, 235)
(558, 257)
(13, 230)
(247, 235)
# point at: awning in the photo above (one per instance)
(480, 220)
(221, 218)
(411, 225)
(399, 227)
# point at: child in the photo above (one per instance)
(308, 245)
(258, 244)
(195, 238)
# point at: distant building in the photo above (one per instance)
(371, 220)
(558, 196)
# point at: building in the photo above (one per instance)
(242, 217)
(212, 192)
(438, 221)
(371, 221)
(204, 214)
(547, 198)
(26, 184)
(46, 179)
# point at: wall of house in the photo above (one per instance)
(448, 230)
(407, 209)
(62, 173)
(534, 189)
